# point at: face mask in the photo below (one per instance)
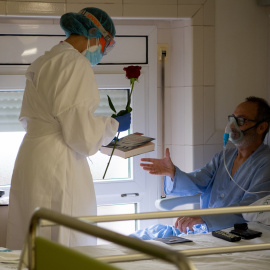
(233, 132)
(93, 54)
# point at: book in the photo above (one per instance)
(172, 240)
(129, 146)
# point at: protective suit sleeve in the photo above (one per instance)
(84, 132)
(75, 100)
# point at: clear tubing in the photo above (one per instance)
(255, 192)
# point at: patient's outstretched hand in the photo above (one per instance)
(162, 166)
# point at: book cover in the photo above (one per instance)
(129, 146)
(173, 240)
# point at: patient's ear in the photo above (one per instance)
(262, 127)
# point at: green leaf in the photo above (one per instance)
(122, 112)
(111, 104)
(129, 109)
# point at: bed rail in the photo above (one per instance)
(171, 214)
(183, 213)
(159, 252)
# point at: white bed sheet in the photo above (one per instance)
(9, 259)
(258, 260)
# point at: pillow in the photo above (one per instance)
(262, 217)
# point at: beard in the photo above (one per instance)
(235, 134)
(248, 139)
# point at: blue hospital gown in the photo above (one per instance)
(218, 190)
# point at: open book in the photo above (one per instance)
(129, 146)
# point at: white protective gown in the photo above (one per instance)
(51, 169)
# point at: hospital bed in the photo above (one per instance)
(205, 252)
(40, 253)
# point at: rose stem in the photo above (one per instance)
(111, 155)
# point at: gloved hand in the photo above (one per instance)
(124, 122)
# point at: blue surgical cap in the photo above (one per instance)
(75, 23)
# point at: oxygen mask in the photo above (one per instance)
(232, 132)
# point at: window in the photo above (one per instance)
(119, 168)
(11, 132)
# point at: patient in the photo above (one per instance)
(248, 163)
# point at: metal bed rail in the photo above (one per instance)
(159, 252)
(182, 213)
(172, 214)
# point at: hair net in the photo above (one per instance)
(75, 23)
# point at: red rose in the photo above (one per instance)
(133, 72)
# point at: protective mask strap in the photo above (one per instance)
(107, 41)
(251, 127)
(266, 120)
(96, 22)
(92, 48)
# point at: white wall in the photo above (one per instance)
(241, 54)
(115, 8)
(241, 61)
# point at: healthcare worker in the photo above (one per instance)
(61, 95)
